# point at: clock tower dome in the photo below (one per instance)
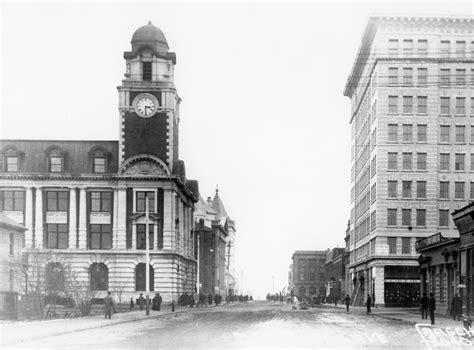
(148, 100)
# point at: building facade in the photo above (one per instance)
(11, 246)
(335, 274)
(411, 91)
(309, 273)
(84, 203)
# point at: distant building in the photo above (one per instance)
(335, 274)
(216, 234)
(411, 91)
(309, 273)
(11, 246)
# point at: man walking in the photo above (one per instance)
(347, 301)
(456, 306)
(157, 302)
(432, 307)
(108, 305)
(425, 302)
(141, 301)
(369, 304)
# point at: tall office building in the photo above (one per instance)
(412, 121)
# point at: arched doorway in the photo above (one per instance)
(99, 277)
(140, 275)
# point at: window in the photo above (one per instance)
(444, 190)
(392, 245)
(393, 104)
(460, 77)
(406, 217)
(392, 132)
(57, 200)
(393, 47)
(392, 160)
(460, 105)
(407, 104)
(407, 76)
(392, 217)
(101, 236)
(421, 189)
(140, 201)
(420, 217)
(373, 166)
(422, 76)
(407, 133)
(472, 161)
(460, 49)
(421, 161)
(445, 77)
(12, 164)
(408, 48)
(99, 165)
(406, 189)
(421, 132)
(422, 48)
(141, 236)
(406, 245)
(444, 161)
(444, 133)
(472, 133)
(373, 220)
(472, 99)
(460, 133)
(55, 164)
(12, 244)
(459, 161)
(444, 105)
(406, 156)
(443, 218)
(471, 192)
(99, 277)
(373, 139)
(393, 76)
(147, 71)
(12, 201)
(392, 189)
(101, 201)
(57, 236)
(445, 48)
(459, 190)
(373, 193)
(422, 104)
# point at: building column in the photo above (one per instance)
(378, 274)
(121, 217)
(82, 218)
(155, 235)
(168, 220)
(38, 238)
(29, 207)
(72, 219)
(115, 221)
(134, 235)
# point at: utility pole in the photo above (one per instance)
(147, 257)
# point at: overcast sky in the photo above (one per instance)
(262, 116)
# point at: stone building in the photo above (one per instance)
(216, 236)
(11, 246)
(335, 274)
(411, 98)
(84, 202)
(309, 273)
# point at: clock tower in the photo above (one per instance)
(148, 101)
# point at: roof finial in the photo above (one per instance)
(149, 22)
(217, 189)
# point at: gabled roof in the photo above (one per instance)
(219, 207)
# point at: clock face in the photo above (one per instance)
(145, 106)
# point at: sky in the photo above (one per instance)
(263, 114)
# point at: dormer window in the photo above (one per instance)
(99, 159)
(12, 164)
(147, 71)
(99, 164)
(55, 164)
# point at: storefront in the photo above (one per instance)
(402, 286)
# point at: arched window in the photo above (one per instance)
(140, 273)
(302, 291)
(99, 277)
(55, 278)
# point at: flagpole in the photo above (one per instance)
(147, 257)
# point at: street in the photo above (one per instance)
(242, 326)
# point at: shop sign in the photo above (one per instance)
(15, 216)
(401, 281)
(100, 218)
(56, 217)
(461, 285)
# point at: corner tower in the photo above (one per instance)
(148, 100)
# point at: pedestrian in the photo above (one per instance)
(131, 303)
(191, 300)
(425, 303)
(369, 304)
(432, 307)
(108, 305)
(141, 301)
(209, 299)
(456, 306)
(157, 300)
(347, 300)
(335, 301)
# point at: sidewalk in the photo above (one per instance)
(12, 332)
(411, 315)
